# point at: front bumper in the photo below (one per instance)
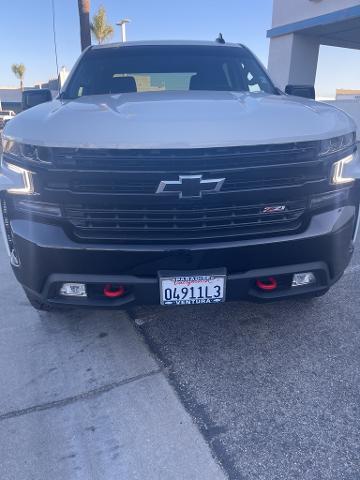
(49, 258)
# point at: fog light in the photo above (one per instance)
(301, 279)
(73, 290)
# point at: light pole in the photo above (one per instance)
(122, 24)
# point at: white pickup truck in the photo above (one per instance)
(177, 173)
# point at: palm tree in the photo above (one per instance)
(18, 70)
(100, 29)
(84, 14)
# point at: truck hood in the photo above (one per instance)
(177, 120)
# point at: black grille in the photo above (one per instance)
(139, 172)
(175, 160)
(110, 194)
(184, 224)
(147, 185)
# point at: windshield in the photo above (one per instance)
(4, 113)
(158, 68)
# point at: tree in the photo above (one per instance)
(99, 27)
(84, 15)
(18, 70)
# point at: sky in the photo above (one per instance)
(27, 35)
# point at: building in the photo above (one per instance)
(299, 27)
(54, 84)
(10, 97)
(63, 74)
(348, 94)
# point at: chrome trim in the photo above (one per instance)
(163, 184)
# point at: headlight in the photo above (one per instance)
(28, 152)
(20, 178)
(337, 144)
(338, 175)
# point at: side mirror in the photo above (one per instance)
(33, 97)
(306, 91)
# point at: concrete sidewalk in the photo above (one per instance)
(82, 398)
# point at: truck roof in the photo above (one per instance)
(166, 42)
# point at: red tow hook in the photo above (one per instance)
(114, 291)
(267, 284)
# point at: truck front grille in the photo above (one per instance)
(102, 184)
(109, 194)
(175, 160)
(180, 225)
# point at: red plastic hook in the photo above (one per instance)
(111, 291)
(268, 285)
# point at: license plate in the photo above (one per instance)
(192, 289)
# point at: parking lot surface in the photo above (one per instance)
(82, 398)
(274, 388)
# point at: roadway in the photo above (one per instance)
(273, 388)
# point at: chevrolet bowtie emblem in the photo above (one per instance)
(190, 186)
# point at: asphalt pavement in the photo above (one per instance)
(273, 388)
